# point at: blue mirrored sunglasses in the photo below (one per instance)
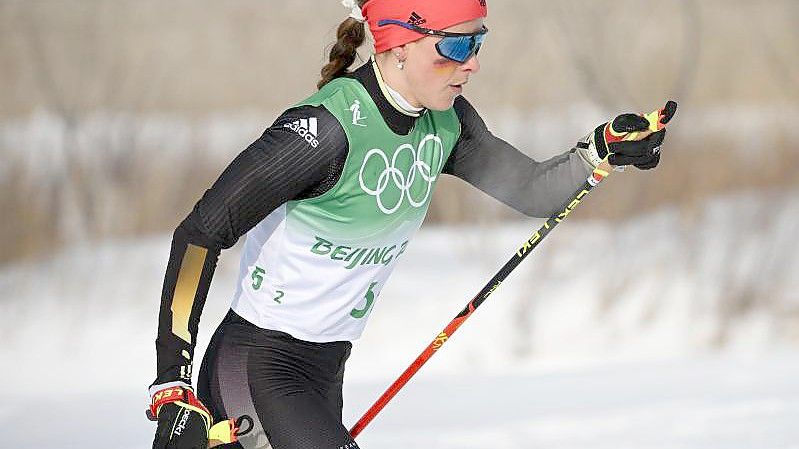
(458, 47)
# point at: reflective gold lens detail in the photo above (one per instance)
(186, 289)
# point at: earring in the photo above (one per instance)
(400, 63)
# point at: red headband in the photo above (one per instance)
(432, 14)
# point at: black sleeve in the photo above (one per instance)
(300, 156)
(536, 189)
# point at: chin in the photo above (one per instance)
(441, 104)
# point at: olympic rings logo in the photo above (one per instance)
(403, 181)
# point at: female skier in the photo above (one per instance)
(329, 197)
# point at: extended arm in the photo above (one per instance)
(497, 168)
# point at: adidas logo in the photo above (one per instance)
(306, 128)
(416, 19)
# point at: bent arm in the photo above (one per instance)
(280, 166)
(536, 189)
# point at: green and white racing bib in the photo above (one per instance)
(314, 268)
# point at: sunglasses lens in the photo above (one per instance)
(478, 42)
(460, 48)
(455, 48)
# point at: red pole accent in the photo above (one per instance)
(392, 390)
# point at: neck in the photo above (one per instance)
(394, 87)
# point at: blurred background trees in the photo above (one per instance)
(114, 116)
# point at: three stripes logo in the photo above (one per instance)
(416, 20)
(306, 128)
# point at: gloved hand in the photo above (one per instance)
(629, 139)
(183, 421)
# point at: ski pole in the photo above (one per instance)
(524, 250)
(601, 172)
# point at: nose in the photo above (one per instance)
(472, 64)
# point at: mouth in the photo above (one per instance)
(458, 88)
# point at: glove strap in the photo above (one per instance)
(175, 394)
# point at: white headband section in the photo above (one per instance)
(355, 10)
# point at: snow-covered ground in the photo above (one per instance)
(718, 402)
(682, 333)
(709, 402)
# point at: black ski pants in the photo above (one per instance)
(291, 388)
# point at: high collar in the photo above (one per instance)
(395, 98)
(397, 119)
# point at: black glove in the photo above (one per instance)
(183, 421)
(643, 154)
(630, 139)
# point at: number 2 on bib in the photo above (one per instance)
(370, 299)
(258, 279)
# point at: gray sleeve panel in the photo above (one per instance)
(536, 189)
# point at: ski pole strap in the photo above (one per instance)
(229, 431)
(599, 173)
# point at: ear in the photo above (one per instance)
(400, 53)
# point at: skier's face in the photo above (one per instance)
(433, 80)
